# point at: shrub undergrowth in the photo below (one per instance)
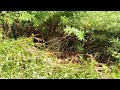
(89, 33)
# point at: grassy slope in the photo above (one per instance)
(20, 59)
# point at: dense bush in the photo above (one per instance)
(92, 32)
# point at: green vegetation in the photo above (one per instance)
(60, 44)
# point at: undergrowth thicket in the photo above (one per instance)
(75, 39)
